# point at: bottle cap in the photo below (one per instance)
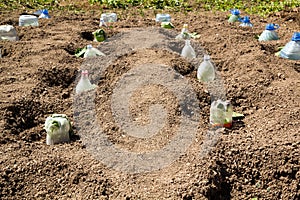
(45, 12)
(89, 46)
(235, 12)
(185, 25)
(246, 19)
(272, 27)
(296, 36)
(84, 72)
(206, 57)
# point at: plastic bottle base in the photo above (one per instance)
(227, 125)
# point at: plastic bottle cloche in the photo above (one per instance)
(28, 20)
(184, 34)
(269, 33)
(8, 32)
(246, 22)
(221, 113)
(206, 70)
(292, 49)
(109, 17)
(163, 18)
(92, 52)
(188, 51)
(84, 83)
(235, 16)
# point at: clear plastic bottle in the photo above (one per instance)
(184, 33)
(292, 49)
(246, 22)
(84, 83)
(58, 128)
(188, 50)
(163, 18)
(102, 22)
(221, 114)
(206, 70)
(269, 33)
(235, 16)
(28, 20)
(109, 17)
(8, 32)
(92, 52)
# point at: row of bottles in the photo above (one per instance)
(206, 70)
(220, 111)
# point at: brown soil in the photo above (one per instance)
(258, 157)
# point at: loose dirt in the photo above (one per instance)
(258, 157)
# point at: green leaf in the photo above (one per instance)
(80, 51)
(167, 25)
(236, 115)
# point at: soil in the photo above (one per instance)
(259, 157)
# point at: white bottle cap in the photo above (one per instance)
(206, 57)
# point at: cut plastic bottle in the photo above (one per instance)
(184, 33)
(206, 70)
(246, 22)
(102, 22)
(188, 50)
(109, 17)
(163, 18)
(8, 32)
(84, 83)
(235, 16)
(269, 33)
(28, 20)
(221, 114)
(292, 49)
(92, 52)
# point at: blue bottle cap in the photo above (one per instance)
(296, 36)
(246, 19)
(272, 27)
(235, 12)
(45, 12)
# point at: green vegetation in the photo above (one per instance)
(158, 4)
(33, 4)
(260, 7)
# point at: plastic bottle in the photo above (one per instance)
(184, 33)
(246, 22)
(235, 16)
(102, 22)
(206, 70)
(269, 33)
(163, 18)
(8, 32)
(92, 52)
(292, 49)
(28, 20)
(221, 114)
(109, 17)
(188, 50)
(44, 14)
(84, 83)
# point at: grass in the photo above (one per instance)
(260, 7)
